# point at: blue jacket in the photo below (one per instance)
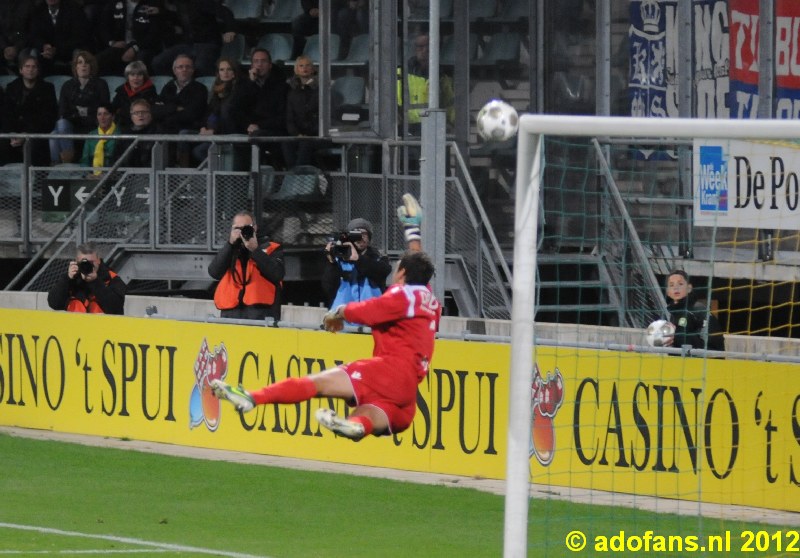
(346, 281)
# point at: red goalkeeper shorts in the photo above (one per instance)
(391, 386)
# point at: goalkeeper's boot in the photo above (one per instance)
(236, 395)
(343, 427)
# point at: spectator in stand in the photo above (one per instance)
(183, 101)
(77, 105)
(351, 19)
(304, 25)
(231, 102)
(418, 72)
(58, 28)
(137, 86)
(98, 151)
(131, 30)
(15, 18)
(354, 270)
(250, 271)
(142, 123)
(302, 113)
(692, 323)
(30, 106)
(183, 105)
(268, 117)
(206, 24)
(88, 286)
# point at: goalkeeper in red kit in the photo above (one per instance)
(382, 389)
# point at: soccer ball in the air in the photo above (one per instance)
(658, 332)
(497, 121)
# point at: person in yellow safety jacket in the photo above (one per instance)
(249, 272)
(88, 286)
(417, 80)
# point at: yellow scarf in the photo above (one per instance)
(99, 154)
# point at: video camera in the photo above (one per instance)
(340, 248)
(85, 267)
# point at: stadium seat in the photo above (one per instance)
(113, 82)
(502, 47)
(6, 79)
(244, 9)
(160, 81)
(448, 49)
(511, 11)
(480, 10)
(301, 184)
(11, 180)
(208, 81)
(57, 82)
(358, 54)
(347, 96)
(420, 12)
(348, 90)
(279, 45)
(282, 11)
(312, 47)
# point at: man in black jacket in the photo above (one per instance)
(268, 117)
(142, 123)
(15, 17)
(183, 101)
(30, 107)
(354, 270)
(146, 27)
(88, 286)
(58, 28)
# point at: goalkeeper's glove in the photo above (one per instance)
(410, 215)
(333, 320)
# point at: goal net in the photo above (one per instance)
(627, 446)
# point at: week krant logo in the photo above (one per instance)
(204, 407)
(713, 180)
(546, 397)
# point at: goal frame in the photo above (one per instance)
(532, 129)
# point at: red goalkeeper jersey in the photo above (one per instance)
(404, 321)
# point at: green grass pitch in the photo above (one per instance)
(60, 498)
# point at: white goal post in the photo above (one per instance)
(532, 130)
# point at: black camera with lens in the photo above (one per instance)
(85, 267)
(340, 248)
(350, 236)
(247, 232)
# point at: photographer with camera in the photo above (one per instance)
(88, 286)
(249, 272)
(354, 270)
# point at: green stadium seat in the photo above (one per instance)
(279, 45)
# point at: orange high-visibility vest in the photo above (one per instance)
(257, 290)
(88, 306)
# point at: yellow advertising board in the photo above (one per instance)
(721, 431)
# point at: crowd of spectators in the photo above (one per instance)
(91, 40)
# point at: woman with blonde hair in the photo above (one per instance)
(77, 105)
(137, 86)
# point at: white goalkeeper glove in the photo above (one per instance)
(410, 215)
(333, 320)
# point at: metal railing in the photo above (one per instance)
(624, 257)
(48, 211)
